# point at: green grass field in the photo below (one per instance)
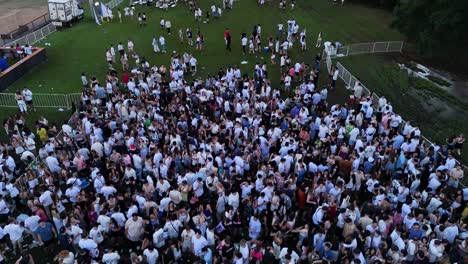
(82, 47)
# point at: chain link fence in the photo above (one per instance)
(43, 100)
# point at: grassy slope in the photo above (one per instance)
(417, 104)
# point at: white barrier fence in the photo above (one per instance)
(350, 80)
(363, 48)
(33, 37)
(43, 100)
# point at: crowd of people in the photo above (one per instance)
(160, 167)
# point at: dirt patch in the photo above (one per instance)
(19, 12)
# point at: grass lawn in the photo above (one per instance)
(438, 113)
(82, 47)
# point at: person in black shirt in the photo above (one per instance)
(226, 250)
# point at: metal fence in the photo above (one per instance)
(362, 48)
(350, 80)
(24, 29)
(113, 3)
(43, 100)
(34, 37)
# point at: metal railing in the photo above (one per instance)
(43, 100)
(350, 80)
(25, 29)
(113, 3)
(363, 48)
(33, 37)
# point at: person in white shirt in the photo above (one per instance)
(89, 245)
(104, 222)
(111, 257)
(198, 243)
(4, 208)
(53, 163)
(187, 235)
(436, 250)
(31, 223)
(198, 187)
(151, 255)
(317, 218)
(15, 233)
(134, 228)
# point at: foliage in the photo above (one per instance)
(436, 25)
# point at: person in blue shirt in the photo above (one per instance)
(207, 255)
(45, 234)
(416, 232)
(294, 111)
(368, 165)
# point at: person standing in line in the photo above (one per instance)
(27, 94)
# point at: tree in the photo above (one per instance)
(437, 26)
